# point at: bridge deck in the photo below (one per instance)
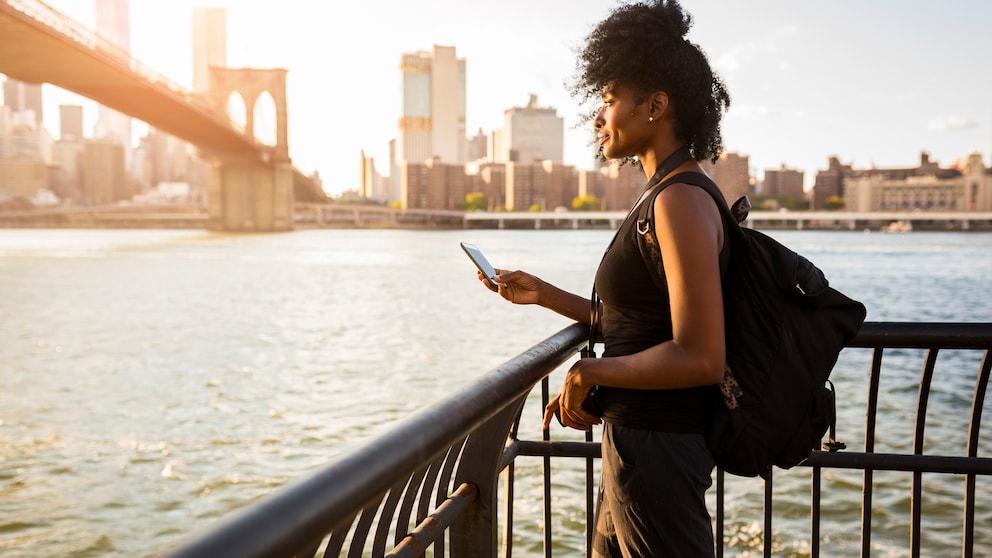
(41, 45)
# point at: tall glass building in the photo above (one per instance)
(432, 124)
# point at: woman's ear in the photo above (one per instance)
(658, 105)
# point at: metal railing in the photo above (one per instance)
(407, 487)
(431, 484)
(933, 338)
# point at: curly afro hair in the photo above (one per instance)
(643, 46)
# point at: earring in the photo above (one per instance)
(650, 119)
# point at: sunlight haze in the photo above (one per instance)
(873, 83)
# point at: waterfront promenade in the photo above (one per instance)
(333, 215)
(760, 219)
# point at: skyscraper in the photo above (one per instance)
(784, 182)
(531, 133)
(20, 96)
(113, 22)
(209, 44)
(71, 122)
(732, 172)
(433, 121)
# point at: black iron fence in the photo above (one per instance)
(443, 482)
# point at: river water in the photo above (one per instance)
(154, 381)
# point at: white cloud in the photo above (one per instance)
(951, 123)
(743, 53)
(764, 112)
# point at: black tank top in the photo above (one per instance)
(637, 315)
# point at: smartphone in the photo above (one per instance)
(480, 262)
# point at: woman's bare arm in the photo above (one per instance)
(520, 287)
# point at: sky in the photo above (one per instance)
(872, 83)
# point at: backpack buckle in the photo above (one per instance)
(833, 446)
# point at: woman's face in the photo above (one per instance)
(622, 123)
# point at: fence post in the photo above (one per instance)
(476, 533)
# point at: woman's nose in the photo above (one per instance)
(599, 120)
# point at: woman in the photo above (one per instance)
(661, 104)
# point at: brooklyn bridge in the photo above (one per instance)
(251, 185)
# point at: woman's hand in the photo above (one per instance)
(568, 403)
(518, 287)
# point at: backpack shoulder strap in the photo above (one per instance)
(647, 241)
(735, 215)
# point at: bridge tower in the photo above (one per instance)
(248, 192)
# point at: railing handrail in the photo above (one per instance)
(301, 513)
(923, 335)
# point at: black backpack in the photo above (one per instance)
(785, 327)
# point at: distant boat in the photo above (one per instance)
(898, 227)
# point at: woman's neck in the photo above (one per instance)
(654, 157)
(652, 160)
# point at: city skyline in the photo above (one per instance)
(873, 86)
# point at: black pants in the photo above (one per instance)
(652, 497)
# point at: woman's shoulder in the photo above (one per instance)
(684, 194)
(685, 204)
